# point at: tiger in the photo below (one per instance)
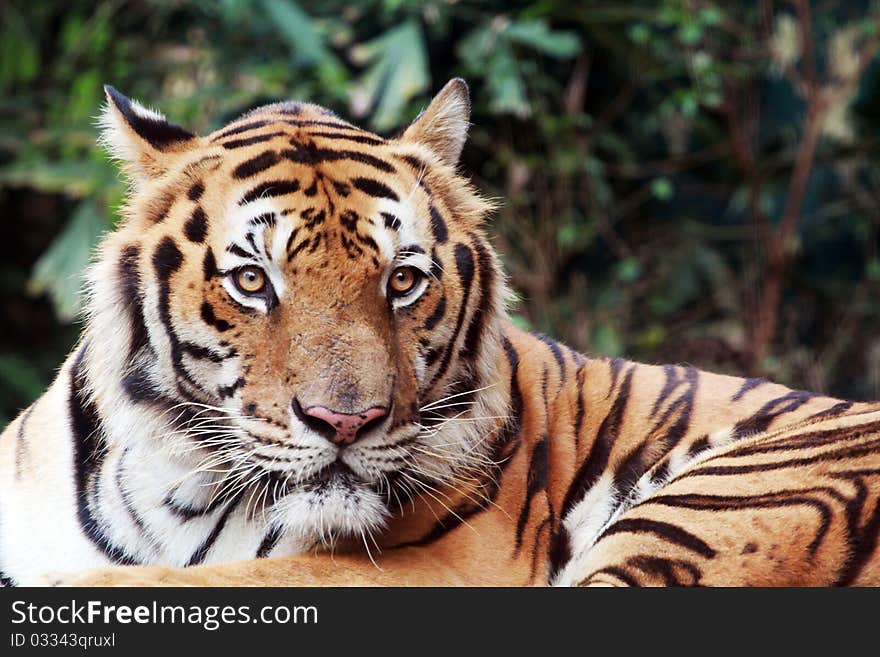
(298, 368)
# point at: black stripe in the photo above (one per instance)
(141, 390)
(199, 555)
(290, 239)
(208, 316)
(225, 392)
(661, 472)
(256, 164)
(412, 248)
(312, 155)
(130, 292)
(201, 352)
(474, 335)
(266, 220)
(361, 139)
(837, 409)
(391, 221)
(837, 455)
(748, 384)
(374, 188)
(464, 262)
(433, 355)
(299, 247)
(308, 123)
(435, 317)
(244, 127)
(209, 265)
(195, 192)
(775, 500)
(581, 410)
(438, 226)
(862, 536)
(613, 571)
(673, 380)
(557, 352)
(614, 367)
(764, 417)
(270, 189)
(536, 481)
(665, 569)
(189, 512)
(667, 531)
(250, 141)
(643, 457)
(415, 163)
(593, 467)
(88, 457)
(196, 227)
(700, 445)
(167, 259)
(270, 540)
(812, 439)
(235, 249)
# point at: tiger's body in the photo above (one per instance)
(296, 344)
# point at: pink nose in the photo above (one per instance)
(345, 426)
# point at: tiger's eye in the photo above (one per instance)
(250, 280)
(403, 280)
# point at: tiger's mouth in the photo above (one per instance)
(337, 475)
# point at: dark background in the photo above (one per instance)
(684, 180)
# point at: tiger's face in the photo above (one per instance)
(320, 300)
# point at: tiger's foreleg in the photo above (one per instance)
(402, 567)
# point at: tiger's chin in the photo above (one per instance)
(333, 505)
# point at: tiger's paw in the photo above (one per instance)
(139, 576)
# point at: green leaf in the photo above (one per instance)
(662, 189)
(521, 322)
(297, 29)
(78, 178)
(710, 16)
(567, 235)
(629, 270)
(59, 270)
(537, 35)
(606, 341)
(505, 84)
(690, 33)
(639, 33)
(398, 72)
(21, 376)
(301, 33)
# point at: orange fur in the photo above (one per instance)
(724, 481)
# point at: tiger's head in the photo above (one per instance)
(311, 309)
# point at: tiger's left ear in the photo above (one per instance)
(443, 125)
(142, 139)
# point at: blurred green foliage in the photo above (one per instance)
(649, 156)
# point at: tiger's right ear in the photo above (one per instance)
(142, 139)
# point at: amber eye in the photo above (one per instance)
(250, 280)
(403, 280)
